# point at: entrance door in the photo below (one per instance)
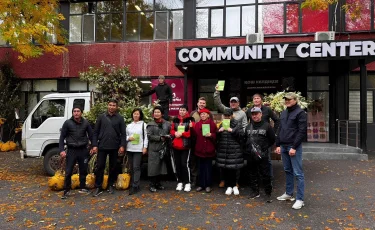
(318, 111)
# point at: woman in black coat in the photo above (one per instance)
(229, 155)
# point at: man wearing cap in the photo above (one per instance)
(259, 137)
(77, 132)
(292, 132)
(234, 103)
(267, 114)
(164, 95)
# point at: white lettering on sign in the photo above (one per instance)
(265, 51)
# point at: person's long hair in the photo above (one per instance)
(140, 113)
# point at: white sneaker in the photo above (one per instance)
(229, 191)
(236, 192)
(298, 204)
(187, 187)
(179, 187)
(285, 197)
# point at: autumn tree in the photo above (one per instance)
(32, 27)
(353, 7)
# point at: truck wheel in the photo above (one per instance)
(52, 161)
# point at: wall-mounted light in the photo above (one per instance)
(146, 82)
(152, 25)
(137, 7)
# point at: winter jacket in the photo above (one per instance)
(183, 142)
(293, 127)
(154, 133)
(163, 93)
(228, 152)
(267, 114)
(139, 128)
(110, 132)
(204, 146)
(262, 135)
(75, 133)
(238, 114)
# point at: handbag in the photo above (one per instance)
(163, 151)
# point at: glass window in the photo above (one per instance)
(206, 88)
(233, 18)
(356, 21)
(77, 85)
(217, 23)
(202, 3)
(136, 5)
(79, 8)
(318, 117)
(75, 29)
(238, 2)
(317, 83)
(79, 102)
(176, 24)
(117, 27)
(274, 24)
(103, 27)
(104, 6)
(88, 28)
(169, 4)
(147, 26)
(292, 12)
(132, 26)
(161, 25)
(202, 23)
(248, 20)
(354, 81)
(354, 106)
(313, 20)
(45, 85)
(47, 109)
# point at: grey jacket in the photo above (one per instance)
(154, 132)
(239, 115)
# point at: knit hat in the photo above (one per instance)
(204, 110)
(77, 107)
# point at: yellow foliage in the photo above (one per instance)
(90, 181)
(75, 181)
(56, 183)
(123, 181)
(38, 20)
(105, 182)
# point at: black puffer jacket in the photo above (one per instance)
(229, 153)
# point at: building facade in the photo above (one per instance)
(195, 43)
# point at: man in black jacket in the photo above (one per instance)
(292, 132)
(259, 137)
(267, 114)
(110, 138)
(164, 94)
(75, 132)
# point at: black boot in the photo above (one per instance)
(133, 190)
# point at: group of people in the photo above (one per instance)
(196, 141)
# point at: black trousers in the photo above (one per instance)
(135, 159)
(181, 159)
(165, 106)
(80, 155)
(100, 166)
(261, 168)
(205, 172)
(230, 176)
(193, 165)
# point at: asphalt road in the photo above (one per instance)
(339, 195)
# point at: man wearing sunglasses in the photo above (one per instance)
(292, 132)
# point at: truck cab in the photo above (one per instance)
(41, 129)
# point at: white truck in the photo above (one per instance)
(41, 129)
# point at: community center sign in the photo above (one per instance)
(259, 52)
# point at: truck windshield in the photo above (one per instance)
(47, 109)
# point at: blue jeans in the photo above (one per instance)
(293, 168)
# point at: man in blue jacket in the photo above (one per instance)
(292, 131)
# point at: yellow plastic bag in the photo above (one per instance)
(5, 147)
(12, 146)
(105, 182)
(56, 183)
(123, 179)
(90, 181)
(75, 181)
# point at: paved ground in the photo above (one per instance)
(339, 195)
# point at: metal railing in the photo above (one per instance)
(345, 131)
